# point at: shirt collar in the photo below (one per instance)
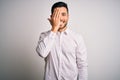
(66, 31)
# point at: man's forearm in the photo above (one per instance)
(45, 44)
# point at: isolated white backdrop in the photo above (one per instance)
(22, 21)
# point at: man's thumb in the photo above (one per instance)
(49, 19)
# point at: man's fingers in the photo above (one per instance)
(54, 13)
(58, 16)
(55, 18)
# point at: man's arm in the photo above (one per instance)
(81, 59)
(55, 20)
(45, 43)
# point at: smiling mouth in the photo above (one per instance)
(62, 22)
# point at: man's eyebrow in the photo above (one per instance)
(63, 13)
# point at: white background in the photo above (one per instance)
(22, 21)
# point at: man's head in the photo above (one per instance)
(64, 13)
(59, 4)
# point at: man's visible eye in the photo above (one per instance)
(63, 14)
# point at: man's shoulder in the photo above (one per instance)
(45, 32)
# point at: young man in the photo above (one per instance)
(64, 51)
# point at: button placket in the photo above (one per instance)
(60, 54)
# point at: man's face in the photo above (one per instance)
(64, 17)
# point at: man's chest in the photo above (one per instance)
(64, 43)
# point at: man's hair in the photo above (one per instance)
(59, 4)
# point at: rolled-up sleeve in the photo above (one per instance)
(45, 43)
(81, 59)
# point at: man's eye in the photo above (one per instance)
(63, 14)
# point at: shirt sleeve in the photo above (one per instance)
(45, 43)
(81, 59)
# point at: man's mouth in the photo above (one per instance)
(62, 23)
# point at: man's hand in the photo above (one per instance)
(55, 20)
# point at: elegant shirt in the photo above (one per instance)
(65, 55)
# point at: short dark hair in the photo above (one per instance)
(59, 4)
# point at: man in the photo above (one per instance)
(64, 51)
